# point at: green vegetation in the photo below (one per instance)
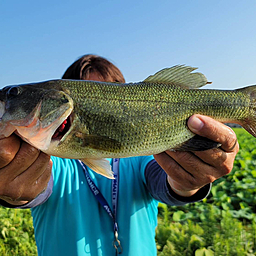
(16, 233)
(223, 224)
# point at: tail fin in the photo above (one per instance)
(249, 123)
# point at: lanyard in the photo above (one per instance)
(103, 202)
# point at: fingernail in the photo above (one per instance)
(195, 124)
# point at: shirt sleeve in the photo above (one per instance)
(40, 199)
(158, 186)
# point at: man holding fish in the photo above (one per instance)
(79, 212)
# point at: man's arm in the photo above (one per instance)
(160, 189)
(24, 171)
(190, 171)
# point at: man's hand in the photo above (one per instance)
(190, 171)
(24, 171)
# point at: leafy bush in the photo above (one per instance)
(16, 233)
(219, 233)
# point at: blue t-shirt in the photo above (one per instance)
(72, 222)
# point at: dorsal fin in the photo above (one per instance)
(179, 75)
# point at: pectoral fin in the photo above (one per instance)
(98, 142)
(101, 166)
(197, 143)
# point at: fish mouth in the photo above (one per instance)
(63, 129)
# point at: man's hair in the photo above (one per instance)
(88, 64)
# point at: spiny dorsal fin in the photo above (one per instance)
(179, 75)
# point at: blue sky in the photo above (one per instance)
(40, 39)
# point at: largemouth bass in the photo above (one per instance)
(91, 120)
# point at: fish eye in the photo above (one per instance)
(14, 91)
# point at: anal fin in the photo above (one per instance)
(197, 143)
